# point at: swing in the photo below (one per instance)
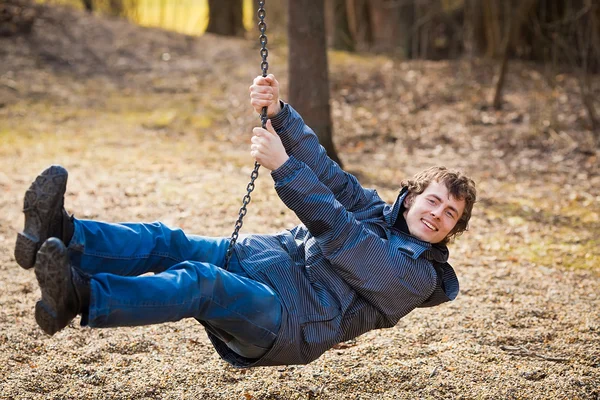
(264, 66)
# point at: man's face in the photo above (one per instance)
(433, 214)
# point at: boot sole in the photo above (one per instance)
(53, 275)
(41, 201)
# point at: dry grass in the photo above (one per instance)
(149, 140)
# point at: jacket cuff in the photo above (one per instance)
(278, 120)
(286, 169)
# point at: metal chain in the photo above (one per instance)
(264, 66)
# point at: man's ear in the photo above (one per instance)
(408, 200)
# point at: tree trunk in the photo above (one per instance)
(88, 5)
(308, 70)
(225, 17)
(116, 8)
(477, 28)
(588, 35)
(515, 20)
(588, 103)
(360, 23)
(382, 25)
(406, 28)
(497, 102)
(341, 37)
(392, 25)
(492, 28)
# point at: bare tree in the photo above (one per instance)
(341, 37)
(588, 37)
(359, 21)
(572, 35)
(383, 25)
(88, 5)
(225, 17)
(514, 19)
(308, 69)
(116, 8)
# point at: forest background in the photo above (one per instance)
(153, 123)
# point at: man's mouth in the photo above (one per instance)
(429, 225)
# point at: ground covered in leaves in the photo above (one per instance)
(156, 126)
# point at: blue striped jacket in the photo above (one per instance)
(343, 271)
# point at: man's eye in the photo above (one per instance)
(431, 201)
(450, 214)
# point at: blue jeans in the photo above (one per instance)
(188, 281)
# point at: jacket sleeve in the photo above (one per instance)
(391, 281)
(301, 142)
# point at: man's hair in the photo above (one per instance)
(459, 186)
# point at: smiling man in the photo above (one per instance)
(354, 264)
(434, 208)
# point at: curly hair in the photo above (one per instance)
(459, 186)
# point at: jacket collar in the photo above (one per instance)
(391, 214)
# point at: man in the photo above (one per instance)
(353, 265)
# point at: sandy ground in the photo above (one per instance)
(149, 136)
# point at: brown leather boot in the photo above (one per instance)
(45, 215)
(65, 290)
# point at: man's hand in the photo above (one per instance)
(267, 148)
(264, 92)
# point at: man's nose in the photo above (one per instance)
(436, 212)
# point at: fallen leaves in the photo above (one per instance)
(150, 142)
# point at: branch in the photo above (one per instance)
(522, 351)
